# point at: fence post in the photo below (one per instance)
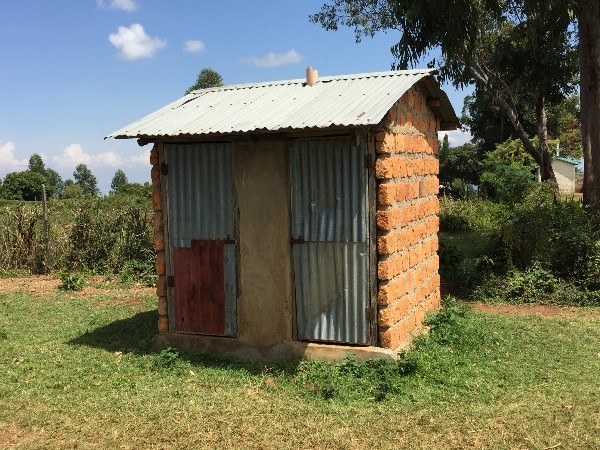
(46, 230)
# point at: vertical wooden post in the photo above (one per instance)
(46, 230)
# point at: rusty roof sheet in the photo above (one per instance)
(336, 101)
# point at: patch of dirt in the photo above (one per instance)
(12, 435)
(536, 310)
(41, 286)
(36, 286)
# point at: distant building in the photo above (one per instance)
(564, 170)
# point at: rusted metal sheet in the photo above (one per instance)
(329, 231)
(336, 101)
(200, 288)
(201, 237)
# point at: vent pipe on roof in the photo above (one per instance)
(312, 76)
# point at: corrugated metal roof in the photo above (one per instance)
(338, 101)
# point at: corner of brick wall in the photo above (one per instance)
(407, 218)
(159, 243)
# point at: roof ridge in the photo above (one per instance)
(325, 79)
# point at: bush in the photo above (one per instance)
(471, 214)
(505, 183)
(558, 234)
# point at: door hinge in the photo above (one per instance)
(170, 281)
(298, 240)
(164, 169)
(369, 163)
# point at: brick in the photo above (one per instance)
(386, 244)
(158, 222)
(155, 176)
(393, 114)
(400, 191)
(384, 142)
(385, 270)
(386, 316)
(386, 193)
(384, 168)
(157, 201)
(161, 286)
(160, 264)
(385, 220)
(162, 306)
(154, 155)
(159, 242)
(389, 338)
(163, 325)
(385, 296)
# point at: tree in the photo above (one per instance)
(54, 184)
(36, 164)
(587, 13)
(118, 182)
(86, 180)
(460, 167)
(532, 37)
(72, 190)
(26, 185)
(207, 78)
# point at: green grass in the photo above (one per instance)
(79, 372)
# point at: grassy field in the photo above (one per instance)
(78, 372)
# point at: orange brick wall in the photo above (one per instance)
(159, 242)
(407, 218)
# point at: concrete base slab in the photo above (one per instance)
(284, 351)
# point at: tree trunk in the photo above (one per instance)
(546, 170)
(588, 20)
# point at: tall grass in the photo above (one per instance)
(104, 235)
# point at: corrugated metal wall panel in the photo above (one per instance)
(201, 193)
(331, 267)
(201, 208)
(328, 191)
(331, 291)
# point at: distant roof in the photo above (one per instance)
(338, 101)
(566, 159)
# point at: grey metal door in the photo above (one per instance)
(201, 237)
(329, 239)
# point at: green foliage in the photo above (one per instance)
(118, 182)
(26, 185)
(460, 167)
(207, 78)
(166, 358)
(36, 164)
(72, 281)
(107, 235)
(474, 213)
(506, 183)
(86, 180)
(559, 234)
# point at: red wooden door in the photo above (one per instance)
(199, 288)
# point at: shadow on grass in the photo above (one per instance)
(131, 335)
(134, 335)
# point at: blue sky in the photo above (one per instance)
(73, 71)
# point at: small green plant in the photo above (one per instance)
(72, 281)
(166, 358)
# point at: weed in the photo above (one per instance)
(166, 358)
(72, 281)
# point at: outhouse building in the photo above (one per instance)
(297, 218)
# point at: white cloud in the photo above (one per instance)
(74, 155)
(456, 137)
(125, 5)
(134, 43)
(275, 59)
(8, 161)
(194, 46)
